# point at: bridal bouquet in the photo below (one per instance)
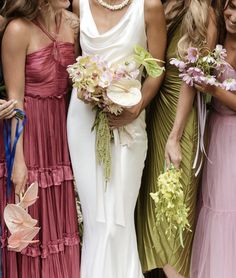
(109, 88)
(169, 203)
(204, 66)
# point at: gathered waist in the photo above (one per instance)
(41, 96)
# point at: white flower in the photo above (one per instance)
(105, 79)
(125, 92)
(220, 52)
(229, 84)
(211, 80)
(209, 59)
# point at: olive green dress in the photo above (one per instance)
(155, 249)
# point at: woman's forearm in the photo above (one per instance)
(19, 155)
(184, 107)
(150, 88)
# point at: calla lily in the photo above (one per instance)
(30, 196)
(17, 219)
(143, 57)
(21, 239)
(125, 92)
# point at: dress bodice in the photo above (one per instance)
(218, 106)
(45, 69)
(118, 42)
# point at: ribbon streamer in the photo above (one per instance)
(202, 116)
(10, 149)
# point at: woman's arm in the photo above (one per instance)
(75, 7)
(14, 48)
(185, 104)
(184, 107)
(156, 40)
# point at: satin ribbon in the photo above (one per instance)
(202, 115)
(10, 149)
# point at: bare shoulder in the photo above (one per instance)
(18, 31)
(153, 9)
(73, 21)
(152, 5)
(18, 27)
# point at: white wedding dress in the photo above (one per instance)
(109, 243)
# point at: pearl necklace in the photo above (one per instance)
(114, 7)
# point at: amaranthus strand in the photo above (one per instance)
(103, 143)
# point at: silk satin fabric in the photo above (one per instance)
(109, 243)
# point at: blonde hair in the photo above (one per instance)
(194, 26)
(171, 14)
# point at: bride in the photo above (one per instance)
(111, 29)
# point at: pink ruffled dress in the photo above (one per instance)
(57, 254)
(214, 247)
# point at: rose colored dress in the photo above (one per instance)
(46, 152)
(214, 247)
(2, 181)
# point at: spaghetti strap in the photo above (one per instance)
(44, 30)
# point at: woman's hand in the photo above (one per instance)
(173, 153)
(205, 88)
(19, 176)
(126, 117)
(7, 109)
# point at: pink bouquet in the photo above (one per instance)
(204, 66)
(109, 88)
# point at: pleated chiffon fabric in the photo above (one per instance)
(46, 153)
(214, 246)
(155, 248)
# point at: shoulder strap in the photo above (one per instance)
(44, 30)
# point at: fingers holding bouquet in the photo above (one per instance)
(7, 109)
(173, 153)
(205, 88)
(128, 115)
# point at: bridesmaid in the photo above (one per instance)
(111, 29)
(155, 248)
(215, 238)
(34, 68)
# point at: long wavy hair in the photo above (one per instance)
(194, 26)
(171, 14)
(20, 8)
